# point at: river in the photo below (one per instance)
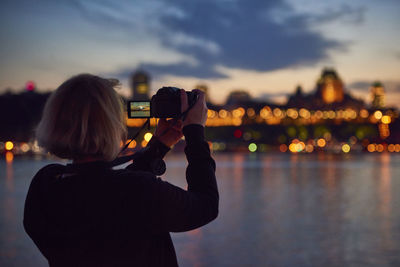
(275, 210)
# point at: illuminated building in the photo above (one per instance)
(329, 94)
(140, 84)
(330, 87)
(377, 95)
(325, 118)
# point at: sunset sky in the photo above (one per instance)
(265, 47)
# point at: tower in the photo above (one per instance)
(377, 95)
(140, 84)
(330, 87)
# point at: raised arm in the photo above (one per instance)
(186, 210)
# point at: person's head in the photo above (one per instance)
(83, 118)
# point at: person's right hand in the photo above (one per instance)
(198, 113)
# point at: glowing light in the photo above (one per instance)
(304, 113)
(236, 113)
(148, 136)
(9, 157)
(378, 114)
(364, 113)
(237, 133)
(283, 148)
(331, 114)
(371, 148)
(379, 148)
(9, 145)
(30, 86)
(24, 147)
(346, 148)
(215, 146)
(132, 144)
(292, 113)
(144, 143)
(252, 147)
(292, 148)
(265, 112)
(391, 148)
(386, 119)
(321, 142)
(384, 131)
(352, 114)
(277, 112)
(35, 147)
(397, 147)
(309, 148)
(223, 113)
(251, 112)
(300, 146)
(319, 114)
(237, 121)
(211, 113)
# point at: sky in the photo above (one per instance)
(265, 47)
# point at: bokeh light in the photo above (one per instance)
(148, 136)
(252, 147)
(9, 145)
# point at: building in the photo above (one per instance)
(330, 87)
(140, 84)
(329, 94)
(377, 95)
(238, 97)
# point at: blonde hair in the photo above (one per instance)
(83, 117)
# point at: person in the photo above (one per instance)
(87, 213)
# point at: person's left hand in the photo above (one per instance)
(173, 134)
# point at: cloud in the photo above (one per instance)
(360, 85)
(183, 69)
(390, 86)
(238, 34)
(345, 13)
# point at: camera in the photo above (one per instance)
(166, 103)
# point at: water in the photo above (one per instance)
(275, 210)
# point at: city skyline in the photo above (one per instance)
(282, 44)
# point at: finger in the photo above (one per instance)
(184, 101)
(201, 97)
(178, 125)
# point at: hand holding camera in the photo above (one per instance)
(169, 132)
(184, 108)
(198, 113)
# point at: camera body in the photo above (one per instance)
(166, 103)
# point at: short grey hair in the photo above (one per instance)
(83, 117)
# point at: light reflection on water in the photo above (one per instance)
(275, 210)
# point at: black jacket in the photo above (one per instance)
(91, 215)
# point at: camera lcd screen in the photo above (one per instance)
(139, 109)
